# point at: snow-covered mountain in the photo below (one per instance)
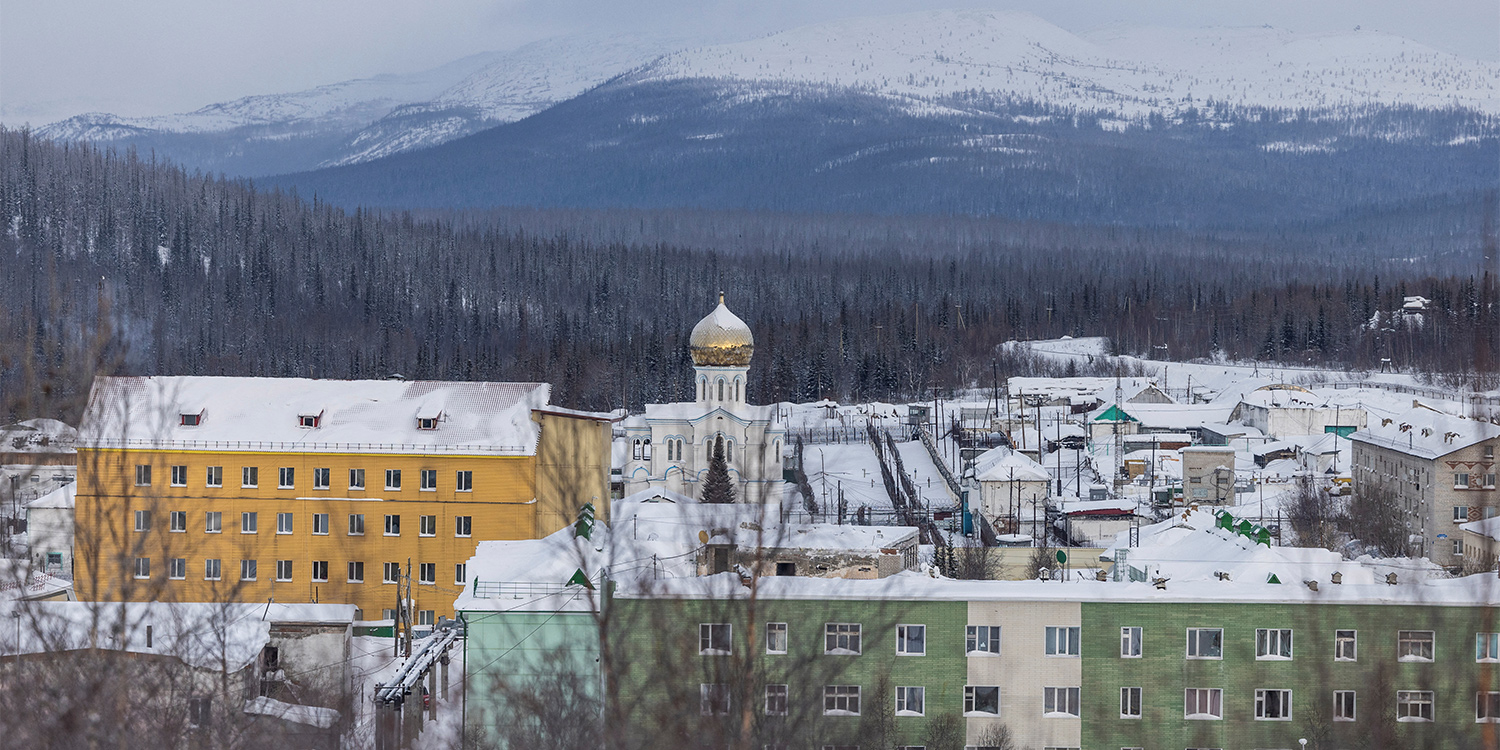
(929, 64)
(1130, 72)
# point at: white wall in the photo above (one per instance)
(1023, 669)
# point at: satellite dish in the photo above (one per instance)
(703, 537)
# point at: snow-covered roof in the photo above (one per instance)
(1097, 507)
(688, 411)
(316, 716)
(203, 635)
(1489, 527)
(1005, 465)
(38, 435)
(58, 499)
(357, 415)
(1426, 432)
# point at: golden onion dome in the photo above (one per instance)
(721, 339)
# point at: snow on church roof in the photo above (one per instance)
(351, 415)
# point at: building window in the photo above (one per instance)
(283, 570)
(1460, 481)
(1414, 645)
(1489, 481)
(211, 569)
(215, 476)
(427, 423)
(461, 574)
(392, 525)
(463, 481)
(356, 572)
(911, 640)
(1343, 705)
(213, 522)
(1130, 703)
(283, 523)
(1273, 705)
(1460, 513)
(286, 478)
(322, 478)
(356, 479)
(775, 637)
(143, 475)
(249, 476)
(911, 701)
(179, 476)
(143, 520)
(200, 711)
(179, 520)
(715, 638)
(1458, 547)
(721, 389)
(427, 525)
(247, 570)
(1345, 645)
(393, 479)
(428, 480)
(1487, 647)
(1062, 641)
(320, 524)
(983, 700)
(840, 700)
(635, 450)
(841, 638)
(320, 571)
(1203, 703)
(392, 573)
(1205, 643)
(776, 700)
(143, 567)
(189, 420)
(249, 522)
(356, 524)
(1486, 708)
(1413, 705)
(1060, 701)
(307, 421)
(1130, 643)
(713, 700)
(1273, 644)
(425, 617)
(427, 573)
(177, 568)
(982, 639)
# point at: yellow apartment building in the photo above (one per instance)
(298, 490)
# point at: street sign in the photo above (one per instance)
(1062, 557)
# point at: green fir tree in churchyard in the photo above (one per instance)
(717, 486)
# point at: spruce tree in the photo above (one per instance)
(717, 486)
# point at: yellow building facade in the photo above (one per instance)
(174, 512)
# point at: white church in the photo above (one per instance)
(671, 444)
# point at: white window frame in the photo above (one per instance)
(773, 629)
(320, 524)
(320, 571)
(1061, 702)
(847, 695)
(322, 478)
(142, 521)
(356, 479)
(1273, 644)
(142, 568)
(1345, 699)
(904, 640)
(1195, 643)
(286, 477)
(213, 476)
(1340, 642)
(427, 574)
(713, 699)
(1062, 640)
(1486, 648)
(1460, 513)
(143, 475)
(177, 522)
(176, 568)
(249, 477)
(839, 636)
(982, 640)
(909, 695)
(1408, 641)
(463, 526)
(251, 567)
(1130, 642)
(356, 520)
(393, 521)
(213, 522)
(213, 568)
(1273, 704)
(393, 479)
(713, 635)
(427, 480)
(1420, 700)
(1130, 698)
(778, 696)
(386, 576)
(461, 574)
(283, 570)
(179, 475)
(1486, 707)
(971, 700)
(426, 525)
(1201, 698)
(285, 523)
(463, 480)
(355, 570)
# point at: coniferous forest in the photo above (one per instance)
(126, 263)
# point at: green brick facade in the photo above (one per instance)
(1164, 672)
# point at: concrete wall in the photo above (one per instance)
(1022, 670)
(50, 530)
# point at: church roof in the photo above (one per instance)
(721, 339)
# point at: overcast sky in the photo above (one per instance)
(63, 57)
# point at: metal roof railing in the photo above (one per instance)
(300, 447)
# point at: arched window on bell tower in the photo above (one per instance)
(721, 389)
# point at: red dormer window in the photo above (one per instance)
(427, 423)
(190, 420)
(309, 421)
